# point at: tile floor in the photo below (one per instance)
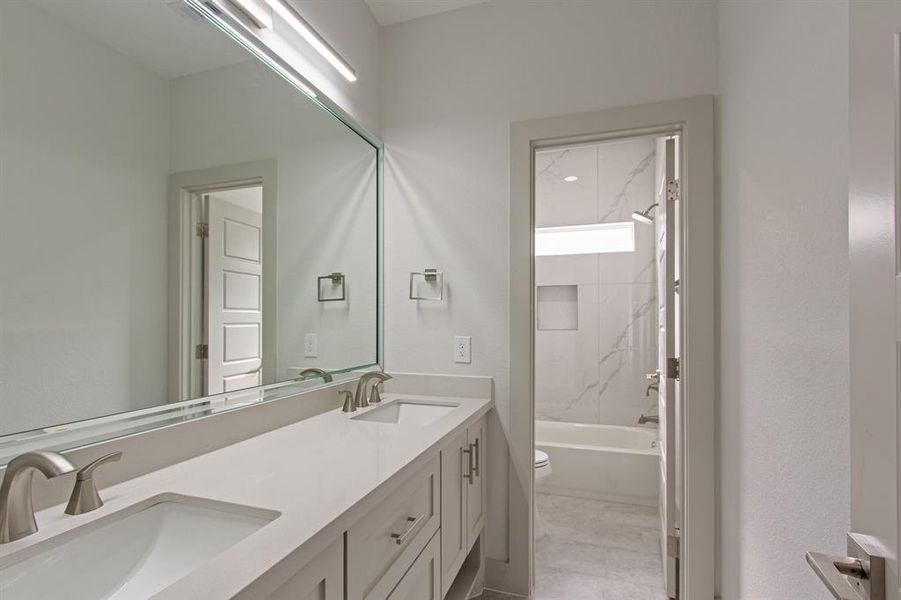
(595, 550)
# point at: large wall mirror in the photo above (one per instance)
(177, 220)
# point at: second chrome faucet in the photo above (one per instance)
(359, 399)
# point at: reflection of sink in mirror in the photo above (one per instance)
(407, 412)
(132, 554)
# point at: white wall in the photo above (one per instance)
(84, 155)
(783, 126)
(452, 85)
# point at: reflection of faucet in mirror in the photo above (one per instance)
(326, 377)
(16, 506)
(360, 399)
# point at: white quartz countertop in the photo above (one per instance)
(312, 472)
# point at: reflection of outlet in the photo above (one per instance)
(462, 349)
(310, 345)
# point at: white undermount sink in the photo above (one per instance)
(134, 553)
(407, 412)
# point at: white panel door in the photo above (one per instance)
(667, 352)
(875, 287)
(234, 297)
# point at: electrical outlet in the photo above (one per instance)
(462, 349)
(311, 345)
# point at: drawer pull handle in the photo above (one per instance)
(401, 538)
(477, 460)
(468, 471)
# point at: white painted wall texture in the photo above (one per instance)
(452, 84)
(784, 461)
(83, 303)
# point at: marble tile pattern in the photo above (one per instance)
(595, 374)
(595, 550)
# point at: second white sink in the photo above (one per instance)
(407, 412)
(132, 554)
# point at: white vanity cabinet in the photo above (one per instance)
(414, 538)
(320, 579)
(423, 580)
(462, 498)
(383, 545)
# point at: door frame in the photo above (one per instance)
(183, 187)
(693, 119)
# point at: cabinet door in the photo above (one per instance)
(320, 579)
(475, 487)
(423, 580)
(454, 468)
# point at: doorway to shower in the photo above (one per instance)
(612, 343)
(606, 348)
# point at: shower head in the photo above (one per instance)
(644, 216)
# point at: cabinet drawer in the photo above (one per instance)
(382, 545)
(423, 580)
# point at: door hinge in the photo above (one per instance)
(673, 368)
(673, 546)
(673, 190)
(203, 230)
(201, 351)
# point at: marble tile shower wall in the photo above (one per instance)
(595, 372)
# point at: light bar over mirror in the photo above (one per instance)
(164, 227)
(598, 238)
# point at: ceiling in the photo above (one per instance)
(389, 12)
(164, 36)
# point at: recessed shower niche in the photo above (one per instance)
(558, 307)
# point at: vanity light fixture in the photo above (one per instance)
(257, 11)
(306, 31)
(216, 16)
(570, 178)
(597, 238)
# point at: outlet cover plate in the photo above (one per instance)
(462, 349)
(310, 345)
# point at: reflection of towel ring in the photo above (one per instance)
(434, 278)
(335, 279)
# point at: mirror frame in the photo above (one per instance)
(97, 430)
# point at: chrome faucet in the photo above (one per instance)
(648, 419)
(326, 376)
(16, 506)
(360, 399)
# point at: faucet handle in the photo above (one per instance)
(375, 396)
(349, 404)
(84, 496)
(655, 376)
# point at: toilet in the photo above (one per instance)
(542, 471)
(542, 465)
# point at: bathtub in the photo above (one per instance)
(605, 462)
